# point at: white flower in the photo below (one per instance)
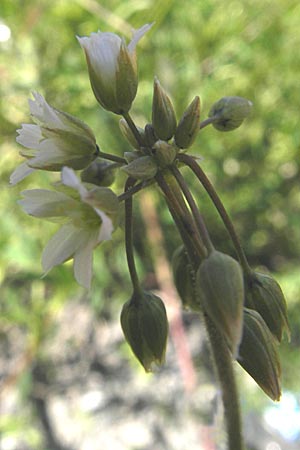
(87, 219)
(112, 68)
(56, 139)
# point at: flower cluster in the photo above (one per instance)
(244, 311)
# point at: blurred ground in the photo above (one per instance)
(84, 393)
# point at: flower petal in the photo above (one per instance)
(83, 261)
(62, 246)
(29, 135)
(43, 113)
(45, 203)
(106, 226)
(69, 178)
(21, 172)
(137, 35)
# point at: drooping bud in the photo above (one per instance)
(142, 168)
(185, 279)
(221, 294)
(127, 133)
(258, 354)
(145, 326)
(163, 114)
(100, 173)
(229, 112)
(164, 153)
(264, 295)
(188, 126)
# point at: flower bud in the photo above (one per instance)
(127, 133)
(142, 168)
(163, 114)
(150, 136)
(188, 126)
(164, 153)
(229, 112)
(264, 295)
(112, 68)
(258, 354)
(221, 294)
(185, 279)
(100, 173)
(131, 156)
(145, 326)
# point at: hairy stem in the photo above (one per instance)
(194, 166)
(224, 368)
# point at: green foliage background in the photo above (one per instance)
(209, 48)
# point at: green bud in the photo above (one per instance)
(143, 168)
(229, 112)
(164, 153)
(264, 295)
(163, 114)
(221, 294)
(150, 136)
(258, 354)
(100, 173)
(185, 279)
(131, 156)
(145, 326)
(188, 126)
(128, 134)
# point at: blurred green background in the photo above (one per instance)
(208, 48)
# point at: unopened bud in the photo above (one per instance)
(185, 279)
(264, 295)
(164, 153)
(258, 354)
(163, 114)
(221, 294)
(229, 112)
(150, 136)
(188, 126)
(131, 156)
(100, 173)
(128, 134)
(143, 168)
(145, 326)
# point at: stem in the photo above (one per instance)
(224, 367)
(195, 211)
(206, 122)
(182, 219)
(189, 161)
(129, 240)
(133, 128)
(134, 189)
(110, 157)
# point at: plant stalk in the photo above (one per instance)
(194, 166)
(129, 240)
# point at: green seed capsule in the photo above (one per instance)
(100, 173)
(221, 293)
(258, 354)
(145, 326)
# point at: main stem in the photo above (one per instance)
(224, 367)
